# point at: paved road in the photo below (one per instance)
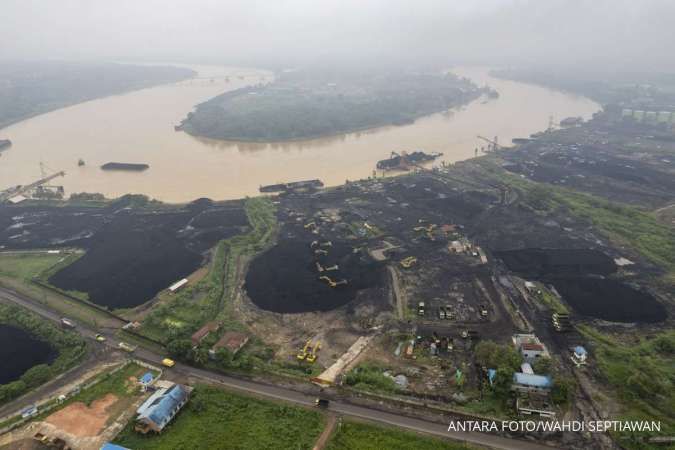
(289, 395)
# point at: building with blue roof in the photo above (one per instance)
(146, 379)
(531, 382)
(161, 407)
(109, 446)
(579, 355)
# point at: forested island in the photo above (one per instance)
(307, 104)
(31, 88)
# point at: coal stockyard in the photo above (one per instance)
(540, 262)
(295, 276)
(609, 300)
(130, 254)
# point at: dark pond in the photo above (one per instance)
(19, 351)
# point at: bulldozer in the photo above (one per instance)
(305, 350)
(408, 262)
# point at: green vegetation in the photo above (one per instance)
(549, 299)
(215, 418)
(302, 105)
(370, 377)
(211, 297)
(361, 436)
(641, 375)
(32, 88)
(117, 383)
(24, 266)
(70, 346)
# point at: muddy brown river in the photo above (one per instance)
(138, 127)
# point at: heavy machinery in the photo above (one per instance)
(319, 267)
(483, 310)
(305, 350)
(408, 262)
(420, 309)
(311, 356)
(332, 268)
(310, 225)
(20, 190)
(320, 251)
(493, 144)
(332, 283)
(321, 403)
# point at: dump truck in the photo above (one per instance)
(321, 403)
(67, 323)
(483, 310)
(420, 309)
(126, 347)
(441, 312)
(167, 362)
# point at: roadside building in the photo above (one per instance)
(160, 408)
(233, 341)
(527, 383)
(204, 331)
(146, 380)
(530, 347)
(178, 285)
(579, 356)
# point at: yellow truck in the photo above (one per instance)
(168, 362)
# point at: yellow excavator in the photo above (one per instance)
(332, 283)
(408, 262)
(310, 225)
(305, 350)
(311, 357)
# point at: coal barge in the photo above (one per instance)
(294, 186)
(125, 166)
(406, 161)
(4, 143)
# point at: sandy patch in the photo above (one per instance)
(81, 420)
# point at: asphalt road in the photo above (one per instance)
(289, 395)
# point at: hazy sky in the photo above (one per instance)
(623, 34)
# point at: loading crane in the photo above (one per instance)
(20, 190)
(493, 144)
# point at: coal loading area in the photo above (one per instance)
(297, 276)
(24, 352)
(131, 253)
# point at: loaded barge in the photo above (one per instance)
(406, 161)
(133, 167)
(4, 143)
(294, 186)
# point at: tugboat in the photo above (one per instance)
(80, 162)
(4, 143)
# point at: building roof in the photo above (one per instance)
(579, 350)
(147, 378)
(203, 331)
(163, 405)
(526, 368)
(538, 381)
(231, 340)
(532, 346)
(109, 446)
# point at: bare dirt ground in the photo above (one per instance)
(81, 420)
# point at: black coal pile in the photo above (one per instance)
(131, 253)
(287, 278)
(538, 262)
(609, 300)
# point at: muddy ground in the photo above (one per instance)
(131, 253)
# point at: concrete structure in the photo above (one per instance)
(233, 341)
(329, 375)
(160, 408)
(526, 368)
(533, 404)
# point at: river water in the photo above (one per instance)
(138, 127)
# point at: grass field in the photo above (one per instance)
(360, 436)
(641, 375)
(27, 265)
(215, 418)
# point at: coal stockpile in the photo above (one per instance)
(131, 253)
(609, 300)
(540, 262)
(20, 351)
(285, 279)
